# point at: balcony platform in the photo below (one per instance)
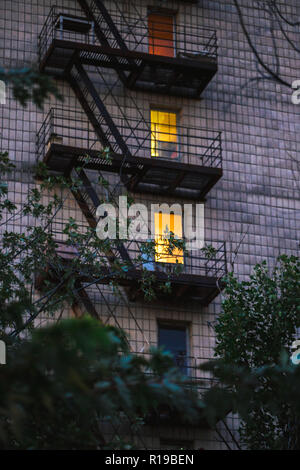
(183, 287)
(200, 279)
(67, 140)
(186, 75)
(141, 175)
(183, 71)
(197, 383)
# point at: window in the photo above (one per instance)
(175, 340)
(161, 34)
(164, 135)
(165, 223)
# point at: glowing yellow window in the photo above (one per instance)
(165, 223)
(164, 135)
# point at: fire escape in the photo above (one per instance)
(75, 47)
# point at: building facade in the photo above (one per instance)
(174, 91)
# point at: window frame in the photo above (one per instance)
(163, 12)
(178, 325)
(169, 111)
(180, 255)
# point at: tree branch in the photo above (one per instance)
(274, 75)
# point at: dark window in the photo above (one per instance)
(175, 340)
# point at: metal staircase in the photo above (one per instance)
(88, 201)
(96, 111)
(76, 49)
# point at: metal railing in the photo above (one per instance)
(187, 145)
(186, 40)
(57, 26)
(209, 261)
(189, 366)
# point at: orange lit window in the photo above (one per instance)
(161, 35)
(164, 135)
(164, 224)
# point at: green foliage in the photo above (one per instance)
(209, 251)
(266, 398)
(254, 335)
(6, 166)
(65, 384)
(260, 316)
(72, 379)
(28, 84)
